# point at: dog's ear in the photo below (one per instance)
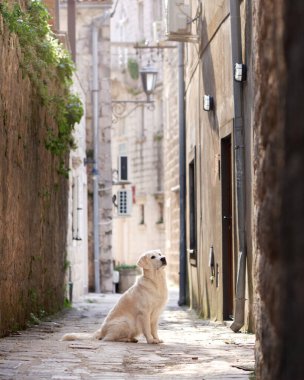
(141, 261)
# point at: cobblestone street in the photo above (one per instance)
(193, 348)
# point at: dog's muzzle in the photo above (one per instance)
(163, 260)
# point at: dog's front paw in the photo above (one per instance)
(153, 341)
(158, 340)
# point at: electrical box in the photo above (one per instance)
(123, 169)
(178, 20)
(124, 202)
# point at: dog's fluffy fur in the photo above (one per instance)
(138, 310)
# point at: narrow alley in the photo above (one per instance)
(134, 127)
(192, 348)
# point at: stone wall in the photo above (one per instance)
(87, 13)
(33, 200)
(279, 187)
(171, 160)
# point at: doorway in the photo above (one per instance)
(227, 230)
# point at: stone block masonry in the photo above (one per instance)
(33, 200)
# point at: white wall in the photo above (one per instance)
(77, 239)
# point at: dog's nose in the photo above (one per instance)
(163, 260)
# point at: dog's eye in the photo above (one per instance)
(152, 257)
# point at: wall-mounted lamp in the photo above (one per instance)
(208, 103)
(148, 78)
(240, 72)
(119, 107)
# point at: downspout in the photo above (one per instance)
(236, 50)
(182, 179)
(72, 27)
(96, 26)
(95, 105)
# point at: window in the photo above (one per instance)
(141, 214)
(160, 213)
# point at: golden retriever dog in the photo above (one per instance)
(139, 308)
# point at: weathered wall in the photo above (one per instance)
(171, 160)
(279, 187)
(77, 238)
(33, 200)
(209, 71)
(86, 13)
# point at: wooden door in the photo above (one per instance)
(227, 246)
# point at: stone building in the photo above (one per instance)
(77, 238)
(218, 158)
(171, 158)
(137, 132)
(94, 17)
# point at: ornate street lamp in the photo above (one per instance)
(148, 78)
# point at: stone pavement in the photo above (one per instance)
(193, 348)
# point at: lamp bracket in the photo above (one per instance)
(121, 109)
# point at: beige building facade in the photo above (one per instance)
(218, 166)
(137, 133)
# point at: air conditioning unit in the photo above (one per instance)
(123, 169)
(178, 20)
(124, 202)
(158, 32)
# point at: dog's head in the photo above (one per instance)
(152, 260)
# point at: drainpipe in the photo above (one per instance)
(72, 27)
(95, 104)
(96, 26)
(236, 50)
(182, 179)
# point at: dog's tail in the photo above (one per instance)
(82, 336)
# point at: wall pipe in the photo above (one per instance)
(182, 178)
(236, 50)
(72, 27)
(95, 105)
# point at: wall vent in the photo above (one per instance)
(124, 202)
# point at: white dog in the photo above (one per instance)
(138, 310)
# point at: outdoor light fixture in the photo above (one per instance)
(208, 102)
(120, 107)
(148, 77)
(240, 72)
